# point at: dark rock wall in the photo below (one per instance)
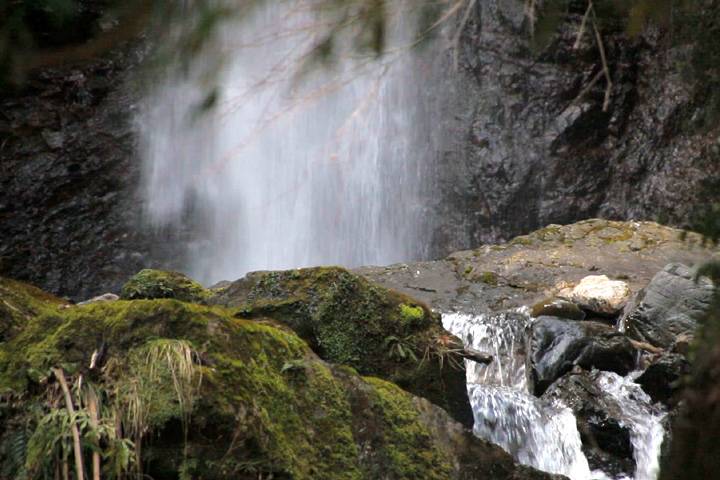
(533, 145)
(528, 147)
(69, 212)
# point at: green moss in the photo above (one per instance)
(19, 303)
(521, 240)
(468, 270)
(406, 442)
(153, 284)
(411, 314)
(489, 278)
(348, 320)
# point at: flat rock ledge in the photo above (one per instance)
(530, 268)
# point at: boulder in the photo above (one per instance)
(20, 302)
(153, 284)
(604, 431)
(212, 396)
(560, 307)
(662, 379)
(670, 305)
(600, 295)
(347, 320)
(555, 345)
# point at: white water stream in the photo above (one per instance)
(537, 432)
(295, 167)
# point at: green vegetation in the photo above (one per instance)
(152, 284)
(404, 433)
(191, 391)
(347, 320)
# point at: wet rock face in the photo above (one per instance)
(662, 379)
(671, 305)
(555, 345)
(68, 179)
(533, 146)
(603, 430)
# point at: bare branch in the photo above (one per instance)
(606, 70)
(581, 31)
(75, 433)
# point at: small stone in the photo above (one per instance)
(601, 295)
(106, 297)
(558, 307)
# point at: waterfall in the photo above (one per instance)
(646, 431)
(297, 165)
(535, 431)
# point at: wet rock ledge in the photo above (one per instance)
(533, 267)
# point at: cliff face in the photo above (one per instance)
(69, 174)
(531, 145)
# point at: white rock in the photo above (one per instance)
(599, 294)
(106, 297)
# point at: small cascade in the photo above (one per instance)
(500, 335)
(643, 418)
(542, 435)
(539, 432)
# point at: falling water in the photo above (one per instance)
(535, 431)
(646, 431)
(296, 165)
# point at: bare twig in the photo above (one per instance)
(530, 12)
(475, 355)
(606, 70)
(646, 346)
(581, 31)
(75, 433)
(588, 87)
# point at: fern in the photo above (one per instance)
(13, 452)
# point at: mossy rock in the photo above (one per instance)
(251, 400)
(347, 320)
(153, 284)
(560, 307)
(19, 303)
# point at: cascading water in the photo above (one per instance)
(537, 432)
(295, 166)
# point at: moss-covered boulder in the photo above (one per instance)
(19, 303)
(152, 284)
(347, 320)
(194, 392)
